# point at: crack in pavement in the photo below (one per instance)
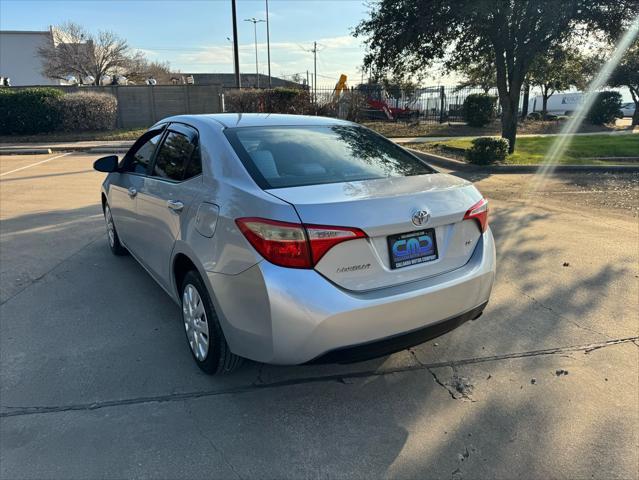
(551, 310)
(340, 378)
(430, 370)
(440, 383)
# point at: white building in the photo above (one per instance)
(19, 58)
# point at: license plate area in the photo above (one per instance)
(412, 248)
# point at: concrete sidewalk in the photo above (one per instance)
(122, 146)
(402, 140)
(106, 146)
(459, 166)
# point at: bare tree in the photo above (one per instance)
(75, 51)
(139, 69)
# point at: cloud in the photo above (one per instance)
(336, 55)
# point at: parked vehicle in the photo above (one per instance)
(558, 103)
(628, 109)
(382, 106)
(291, 239)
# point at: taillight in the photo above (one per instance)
(281, 243)
(293, 244)
(479, 213)
(323, 238)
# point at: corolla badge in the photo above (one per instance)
(420, 217)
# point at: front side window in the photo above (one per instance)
(279, 157)
(173, 157)
(139, 159)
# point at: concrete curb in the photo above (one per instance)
(24, 151)
(108, 150)
(451, 164)
(93, 147)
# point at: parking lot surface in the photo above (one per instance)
(97, 380)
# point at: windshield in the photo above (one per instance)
(279, 157)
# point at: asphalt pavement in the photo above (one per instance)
(96, 380)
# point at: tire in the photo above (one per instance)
(112, 235)
(202, 328)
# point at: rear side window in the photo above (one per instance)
(308, 155)
(176, 160)
(194, 167)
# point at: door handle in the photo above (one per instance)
(132, 192)
(175, 205)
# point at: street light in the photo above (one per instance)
(255, 21)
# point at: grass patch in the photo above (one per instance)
(582, 149)
(101, 136)
(458, 129)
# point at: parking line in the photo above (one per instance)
(34, 164)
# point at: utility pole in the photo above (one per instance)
(315, 70)
(307, 82)
(268, 48)
(255, 21)
(236, 52)
(234, 68)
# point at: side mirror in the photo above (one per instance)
(106, 164)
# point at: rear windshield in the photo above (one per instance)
(278, 157)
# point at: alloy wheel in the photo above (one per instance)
(109, 225)
(195, 322)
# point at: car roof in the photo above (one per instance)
(235, 120)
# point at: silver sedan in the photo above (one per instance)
(290, 239)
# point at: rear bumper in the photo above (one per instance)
(386, 346)
(290, 316)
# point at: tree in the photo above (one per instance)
(406, 36)
(479, 74)
(138, 69)
(77, 52)
(296, 77)
(627, 75)
(557, 70)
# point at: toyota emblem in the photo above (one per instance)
(420, 217)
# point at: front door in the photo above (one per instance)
(125, 187)
(165, 198)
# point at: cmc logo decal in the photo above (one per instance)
(413, 247)
(420, 217)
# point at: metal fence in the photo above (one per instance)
(433, 104)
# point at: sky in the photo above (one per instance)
(192, 34)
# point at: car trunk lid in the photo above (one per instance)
(383, 208)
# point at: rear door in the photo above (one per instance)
(124, 189)
(166, 195)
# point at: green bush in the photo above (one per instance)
(534, 116)
(29, 110)
(276, 100)
(486, 150)
(605, 109)
(478, 109)
(87, 111)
